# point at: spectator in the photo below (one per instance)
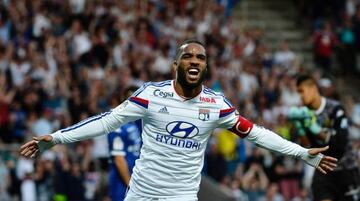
(287, 173)
(79, 39)
(44, 173)
(4, 177)
(248, 80)
(215, 163)
(28, 188)
(353, 108)
(283, 128)
(356, 25)
(5, 54)
(14, 183)
(42, 124)
(19, 67)
(284, 57)
(324, 42)
(255, 182)
(162, 64)
(288, 92)
(347, 49)
(272, 194)
(4, 26)
(226, 144)
(238, 194)
(303, 196)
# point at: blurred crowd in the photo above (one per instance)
(62, 61)
(336, 32)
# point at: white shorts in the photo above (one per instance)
(131, 196)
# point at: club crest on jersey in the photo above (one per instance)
(182, 129)
(204, 114)
(207, 99)
(163, 94)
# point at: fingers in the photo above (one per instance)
(326, 167)
(315, 151)
(321, 170)
(327, 164)
(322, 149)
(31, 149)
(330, 159)
(331, 164)
(29, 153)
(28, 144)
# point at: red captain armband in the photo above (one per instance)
(242, 127)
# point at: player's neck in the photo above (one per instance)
(316, 103)
(185, 92)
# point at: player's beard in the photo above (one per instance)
(181, 78)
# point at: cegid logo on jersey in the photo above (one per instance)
(163, 94)
(179, 132)
(207, 100)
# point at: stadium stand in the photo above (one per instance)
(63, 61)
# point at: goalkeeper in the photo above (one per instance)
(323, 122)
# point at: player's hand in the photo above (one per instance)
(327, 163)
(32, 148)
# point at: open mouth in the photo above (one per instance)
(193, 73)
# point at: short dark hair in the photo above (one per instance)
(305, 78)
(185, 42)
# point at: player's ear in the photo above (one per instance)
(174, 65)
(207, 71)
(174, 68)
(206, 67)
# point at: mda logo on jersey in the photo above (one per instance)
(182, 129)
(207, 99)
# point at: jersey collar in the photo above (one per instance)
(184, 98)
(322, 106)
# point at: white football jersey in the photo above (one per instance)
(175, 134)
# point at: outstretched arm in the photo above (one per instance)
(89, 128)
(271, 141)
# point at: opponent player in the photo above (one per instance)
(178, 117)
(343, 183)
(124, 148)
